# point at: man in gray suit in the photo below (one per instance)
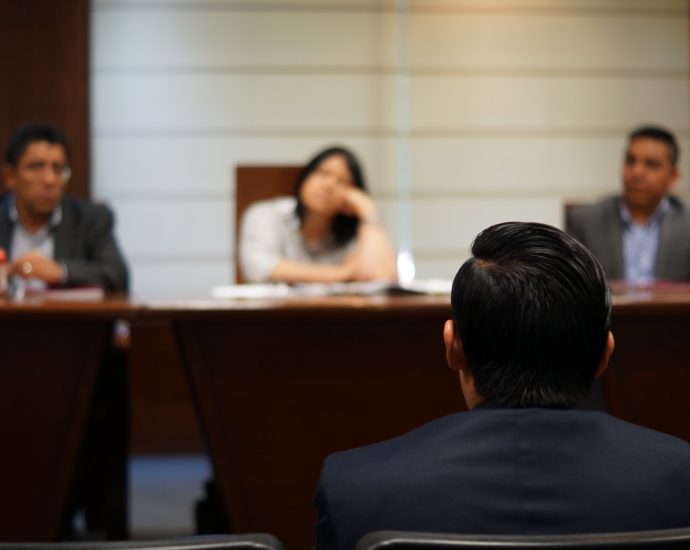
(51, 238)
(644, 235)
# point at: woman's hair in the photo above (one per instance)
(344, 228)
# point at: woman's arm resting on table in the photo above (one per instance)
(375, 255)
(296, 272)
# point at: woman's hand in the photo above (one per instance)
(355, 202)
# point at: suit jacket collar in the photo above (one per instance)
(13, 213)
(63, 230)
(613, 239)
(672, 234)
(65, 233)
(672, 240)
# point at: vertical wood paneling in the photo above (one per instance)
(44, 52)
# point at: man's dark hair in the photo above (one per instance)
(344, 227)
(533, 310)
(30, 133)
(659, 134)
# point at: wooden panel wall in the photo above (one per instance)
(44, 52)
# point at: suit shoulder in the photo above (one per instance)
(602, 208)
(664, 454)
(81, 209)
(4, 204)
(410, 444)
(679, 205)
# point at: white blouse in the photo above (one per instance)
(270, 232)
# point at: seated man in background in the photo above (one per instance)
(52, 238)
(643, 235)
(530, 333)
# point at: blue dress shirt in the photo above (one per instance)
(640, 243)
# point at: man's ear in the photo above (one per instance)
(455, 354)
(8, 176)
(608, 350)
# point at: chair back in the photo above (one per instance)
(258, 183)
(401, 540)
(255, 541)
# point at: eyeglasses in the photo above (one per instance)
(62, 172)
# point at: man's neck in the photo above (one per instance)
(32, 222)
(469, 391)
(641, 214)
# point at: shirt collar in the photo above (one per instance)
(658, 213)
(55, 217)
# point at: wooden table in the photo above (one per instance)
(278, 385)
(281, 384)
(50, 357)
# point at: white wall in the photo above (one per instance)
(516, 106)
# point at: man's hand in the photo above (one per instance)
(4, 272)
(34, 265)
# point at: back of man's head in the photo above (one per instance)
(657, 133)
(30, 133)
(532, 308)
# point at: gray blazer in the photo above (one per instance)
(84, 242)
(599, 228)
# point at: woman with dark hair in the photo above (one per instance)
(329, 231)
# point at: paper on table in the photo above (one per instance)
(364, 288)
(77, 293)
(251, 291)
(428, 286)
(368, 288)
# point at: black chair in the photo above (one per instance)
(402, 540)
(212, 542)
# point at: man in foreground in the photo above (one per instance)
(643, 235)
(530, 333)
(53, 239)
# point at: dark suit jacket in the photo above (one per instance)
(84, 242)
(507, 471)
(600, 229)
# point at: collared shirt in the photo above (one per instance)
(24, 241)
(641, 243)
